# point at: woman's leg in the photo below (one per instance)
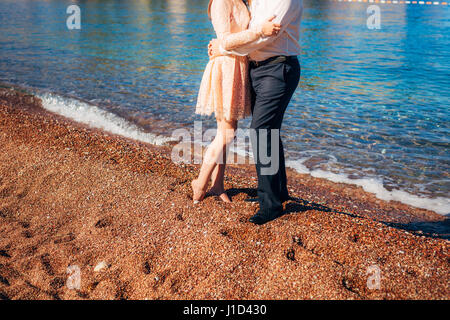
(214, 158)
(217, 181)
(217, 178)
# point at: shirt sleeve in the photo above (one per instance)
(285, 11)
(221, 16)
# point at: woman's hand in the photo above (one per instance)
(213, 48)
(270, 28)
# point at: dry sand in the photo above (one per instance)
(74, 196)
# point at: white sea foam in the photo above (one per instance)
(374, 185)
(370, 184)
(97, 118)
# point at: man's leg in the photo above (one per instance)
(274, 86)
(284, 193)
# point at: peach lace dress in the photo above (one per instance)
(225, 86)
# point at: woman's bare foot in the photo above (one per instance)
(221, 194)
(197, 192)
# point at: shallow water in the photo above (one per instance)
(372, 107)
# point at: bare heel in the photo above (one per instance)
(221, 194)
(224, 197)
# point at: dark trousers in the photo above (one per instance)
(272, 88)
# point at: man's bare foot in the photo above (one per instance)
(221, 194)
(197, 192)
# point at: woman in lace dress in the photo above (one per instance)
(225, 89)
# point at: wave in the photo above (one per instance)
(372, 185)
(375, 185)
(97, 118)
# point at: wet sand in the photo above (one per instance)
(75, 196)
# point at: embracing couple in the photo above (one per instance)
(253, 70)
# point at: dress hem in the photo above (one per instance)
(225, 118)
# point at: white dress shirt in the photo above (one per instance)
(286, 42)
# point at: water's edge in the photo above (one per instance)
(93, 116)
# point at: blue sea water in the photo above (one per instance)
(372, 107)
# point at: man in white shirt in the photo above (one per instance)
(288, 13)
(274, 76)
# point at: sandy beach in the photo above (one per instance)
(75, 196)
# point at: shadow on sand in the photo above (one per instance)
(434, 229)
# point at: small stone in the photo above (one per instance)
(101, 266)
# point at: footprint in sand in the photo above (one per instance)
(4, 296)
(45, 261)
(103, 223)
(298, 240)
(6, 191)
(121, 293)
(24, 224)
(64, 238)
(161, 278)
(4, 253)
(57, 283)
(146, 267)
(4, 281)
(225, 233)
(22, 192)
(6, 212)
(175, 286)
(27, 234)
(47, 181)
(349, 285)
(354, 237)
(290, 254)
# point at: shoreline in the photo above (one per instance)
(123, 125)
(73, 195)
(147, 131)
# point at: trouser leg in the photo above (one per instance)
(284, 194)
(273, 87)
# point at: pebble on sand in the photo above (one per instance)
(101, 266)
